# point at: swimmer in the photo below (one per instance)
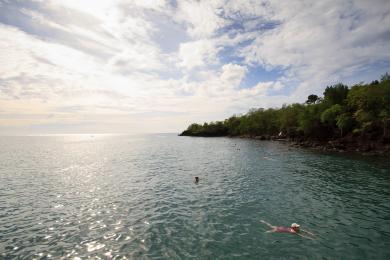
(196, 180)
(294, 229)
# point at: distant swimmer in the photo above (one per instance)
(294, 229)
(196, 180)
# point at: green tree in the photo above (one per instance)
(329, 115)
(309, 121)
(194, 128)
(385, 77)
(335, 94)
(344, 122)
(364, 108)
(289, 119)
(385, 117)
(233, 125)
(312, 99)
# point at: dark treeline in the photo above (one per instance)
(360, 111)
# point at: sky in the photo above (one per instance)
(149, 66)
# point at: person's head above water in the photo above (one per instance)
(196, 179)
(295, 226)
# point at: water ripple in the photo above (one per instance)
(124, 196)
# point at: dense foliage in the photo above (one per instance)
(362, 110)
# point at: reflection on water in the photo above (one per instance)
(107, 196)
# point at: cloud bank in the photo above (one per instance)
(156, 66)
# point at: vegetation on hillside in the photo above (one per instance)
(360, 111)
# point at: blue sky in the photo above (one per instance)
(157, 65)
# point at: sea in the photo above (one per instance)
(134, 197)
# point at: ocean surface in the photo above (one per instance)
(110, 196)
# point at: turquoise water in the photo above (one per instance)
(108, 196)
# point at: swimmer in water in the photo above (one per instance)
(196, 180)
(294, 229)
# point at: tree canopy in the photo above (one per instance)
(361, 110)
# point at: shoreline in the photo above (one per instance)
(346, 144)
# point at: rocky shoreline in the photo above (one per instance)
(344, 144)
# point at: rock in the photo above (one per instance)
(366, 148)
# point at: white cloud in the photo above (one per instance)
(198, 54)
(98, 62)
(320, 41)
(233, 74)
(261, 88)
(201, 17)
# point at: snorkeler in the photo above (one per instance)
(294, 229)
